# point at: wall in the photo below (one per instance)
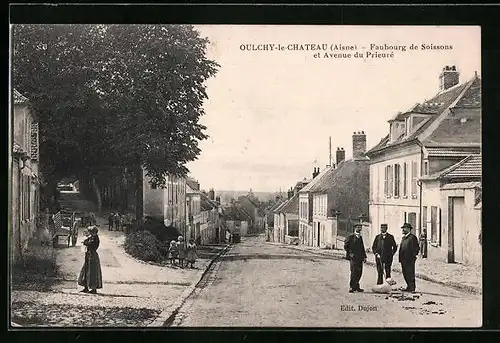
(470, 243)
(391, 210)
(25, 189)
(438, 164)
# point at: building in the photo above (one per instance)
(193, 212)
(270, 219)
(290, 220)
(209, 220)
(235, 219)
(166, 204)
(341, 196)
(306, 235)
(279, 223)
(425, 140)
(25, 181)
(257, 215)
(449, 211)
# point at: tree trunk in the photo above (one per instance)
(139, 206)
(97, 194)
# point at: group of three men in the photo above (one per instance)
(384, 247)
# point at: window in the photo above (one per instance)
(390, 175)
(405, 179)
(426, 168)
(434, 216)
(440, 228)
(397, 178)
(414, 176)
(412, 219)
(386, 181)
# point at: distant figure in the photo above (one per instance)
(173, 252)
(384, 247)
(181, 246)
(117, 221)
(90, 275)
(110, 221)
(408, 252)
(191, 253)
(356, 254)
(423, 243)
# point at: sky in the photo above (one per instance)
(270, 113)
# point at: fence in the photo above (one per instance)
(345, 227)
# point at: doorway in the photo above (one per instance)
(455, 229)
(319, 232)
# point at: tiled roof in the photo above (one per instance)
(345, 171)
(348, 188)
(447, 152)
(190, 190)
(292, 205)
(462, 185)
(19, 98)
(206, 204)
(283, 204)
(315, 180)
(468, 167)
(449, 129)
(274, 206)
(461, 125)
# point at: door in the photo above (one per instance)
(455, 229)
(319, 232)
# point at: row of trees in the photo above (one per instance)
(113, 99)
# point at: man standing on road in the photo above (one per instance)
(356, 254)
(408, 252)
(384, 247)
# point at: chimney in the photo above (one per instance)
(449, 77)
(211, 194)
(358, 144)
(340, 155)
(315, 172)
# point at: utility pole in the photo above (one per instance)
(330, 150)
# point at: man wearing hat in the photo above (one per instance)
(356, 254)
(408, 252)
(384, 247)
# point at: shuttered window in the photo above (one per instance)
(397, 179)
(414, 176)
(405, 179)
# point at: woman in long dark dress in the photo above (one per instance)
(91, 276)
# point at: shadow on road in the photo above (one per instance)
(272, 257)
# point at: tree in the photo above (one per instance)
(115, 97)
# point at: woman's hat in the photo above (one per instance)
(181, 238)
(93, 229)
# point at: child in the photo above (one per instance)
(182, 250)
(173, 252)
(191, 253)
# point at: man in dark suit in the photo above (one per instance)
(408, 252)
(356, 254)
(384, 247)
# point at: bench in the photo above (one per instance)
(64, 226)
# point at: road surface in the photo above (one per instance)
(262, 284)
